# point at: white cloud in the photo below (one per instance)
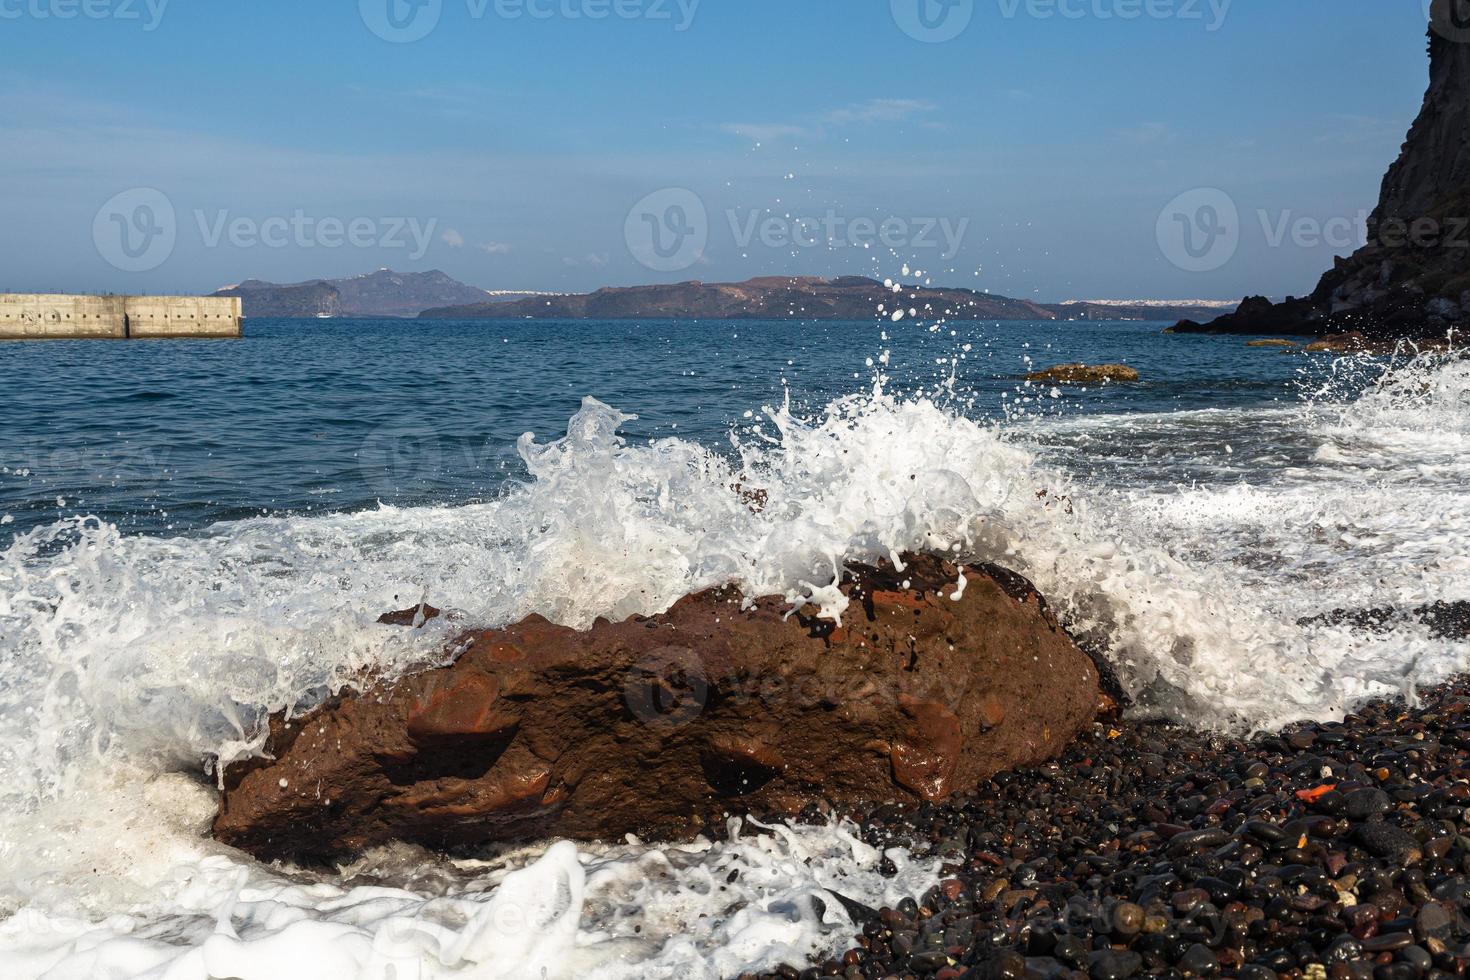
(452, 238)
(494, 248)
(1346, 129)
(1146, 134)
(595, 260)
(878, 110)
(763, 132)
(862, 113)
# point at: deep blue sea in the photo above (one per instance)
(305, 415)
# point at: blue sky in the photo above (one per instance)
(1033, 154)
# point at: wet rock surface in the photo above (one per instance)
(1327, 851)
(1074, 374)
(1445, 620)
(661, 726)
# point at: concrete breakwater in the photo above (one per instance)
(29, 316)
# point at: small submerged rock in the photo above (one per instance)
(1445, 620)
(1078, 374)
(415, 617)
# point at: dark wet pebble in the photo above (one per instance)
(1367, 802)
(1110, 964)
(1329, 852)
(1128, 919)
(1199, 961)
(1387, 942)
(1434, 921)
(1384, 840)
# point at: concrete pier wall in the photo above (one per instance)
(29, 316)
(37, 317)
(183, 316)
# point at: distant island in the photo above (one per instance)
(808, 298)
(383, 293)
(436, 296)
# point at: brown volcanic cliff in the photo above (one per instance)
(1412, 279)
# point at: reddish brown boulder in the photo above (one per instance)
(659, 726)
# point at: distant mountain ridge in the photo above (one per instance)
(383, 293)
(435, 295)
(802, 298)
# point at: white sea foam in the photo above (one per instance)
(703, 910)
(128, 659)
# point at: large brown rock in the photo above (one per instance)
(659, 726)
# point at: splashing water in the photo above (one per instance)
(701, 911)
(130, 659)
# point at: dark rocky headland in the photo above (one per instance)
(1412, 279)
